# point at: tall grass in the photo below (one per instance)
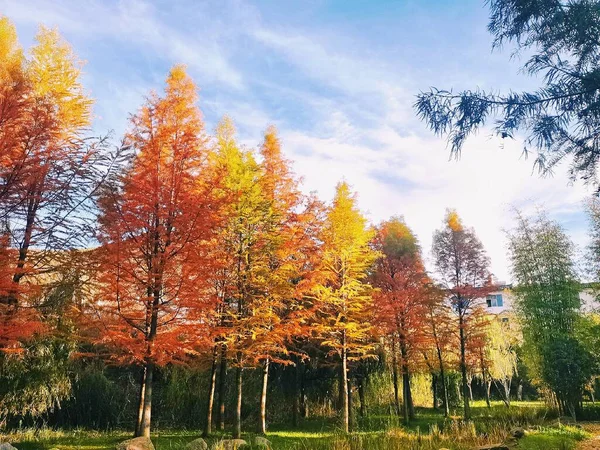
(430, 432)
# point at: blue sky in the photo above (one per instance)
(338, 78)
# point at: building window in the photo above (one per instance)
(494, 300)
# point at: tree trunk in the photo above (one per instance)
(520, 391)
(263, 399)
(344, 386)
(140, 416)
(434, 383)
(222, 385)
(296, 400)
(211, 393)
(350, 407)
(409, 409)
(146, 419)
(237, 427)
(411, 405)
(463, 367)
(443, 381)
(395, 374)
(470, 386)
(506, 394)
(340, 400)
(303, 397)
(32, 206)
(405, 401)
(486, 388)
(361, 396)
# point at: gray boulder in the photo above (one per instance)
(6, 446)
(138, 443)
(230, 444)
(197, 444)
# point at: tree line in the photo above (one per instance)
(182, 248)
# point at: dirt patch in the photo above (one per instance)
(594, 442)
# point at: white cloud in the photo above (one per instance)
(138, 22)
(484, 186)
(363, 127)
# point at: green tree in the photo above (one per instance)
(561, 42)
(593, 249)
(547, 301)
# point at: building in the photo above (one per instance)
(501, 302)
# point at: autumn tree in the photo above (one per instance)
(243, 250)
(342, 299)
(152, 300)
(289, 237)
(462, 266)
(49, 171)
(478, 357)
(400, 301)
(439, 328)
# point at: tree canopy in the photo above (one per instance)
(561, 119)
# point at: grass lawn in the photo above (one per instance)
(430, 431)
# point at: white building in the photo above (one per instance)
(501, 301)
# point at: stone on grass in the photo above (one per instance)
(6, 446)
(138, 443)
(230, 444)
(493, 447)
(517, 433)
(261, 443)
(197, 444)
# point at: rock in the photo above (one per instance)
(197, 444)
(6, 446)
(138, 443)
(517, 433)
(261, 443)
(493, 447)
(230, 444)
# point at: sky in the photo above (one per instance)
(338, 78)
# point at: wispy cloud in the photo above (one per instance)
(342, 100)
(136, 25)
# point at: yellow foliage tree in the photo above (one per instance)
(343, 296)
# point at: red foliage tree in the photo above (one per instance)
(49, 171)
(401, 299)
(462, 265)
(152, 301)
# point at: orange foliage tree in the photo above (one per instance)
(261, 255)
(440, 330)
(289, 235)
(240, 253)
(49, 171)
(152, 303)
(401, 300)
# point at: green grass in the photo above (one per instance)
(562, 438)
(430, 431)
